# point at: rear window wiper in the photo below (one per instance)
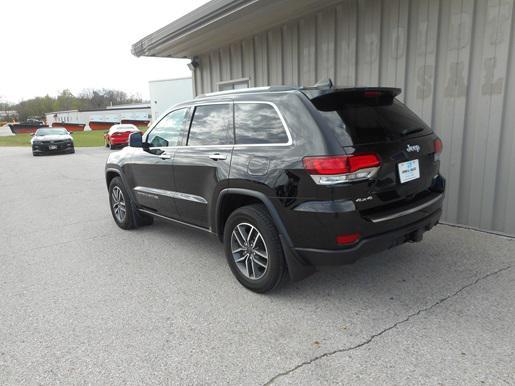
(411, 131)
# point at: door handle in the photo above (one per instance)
(217, 156)
(165, 156)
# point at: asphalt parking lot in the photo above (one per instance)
(82, 301)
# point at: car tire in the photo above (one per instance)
(106, 143)
(121, 205)
(35, 154)
(257, 273)
(72, 151)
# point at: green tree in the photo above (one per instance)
(66, 100)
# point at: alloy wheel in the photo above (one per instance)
(249, 251)
(118, 204)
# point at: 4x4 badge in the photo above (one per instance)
(363, 199)
(411, 148)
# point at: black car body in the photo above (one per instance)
(339, 173)
(51, 140)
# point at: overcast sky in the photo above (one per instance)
(47, 46)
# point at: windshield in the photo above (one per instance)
(368, 123)
(43, 132)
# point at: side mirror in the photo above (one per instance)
(136, 140)
(32, 134)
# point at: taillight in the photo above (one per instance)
(438, 148)
(331, 170)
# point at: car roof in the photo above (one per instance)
(323, 90)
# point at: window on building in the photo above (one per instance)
(169, 130)
(211, 125)
(233, 84)
(258, 123)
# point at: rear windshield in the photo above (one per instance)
(123, 128)
(360, 123)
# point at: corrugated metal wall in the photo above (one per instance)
(452, 58)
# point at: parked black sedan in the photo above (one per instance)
(49, 140)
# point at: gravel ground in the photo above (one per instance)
(82, 301)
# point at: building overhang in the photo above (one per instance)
(220, 22)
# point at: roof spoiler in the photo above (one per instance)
(332, 98)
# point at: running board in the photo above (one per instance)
(176, 221)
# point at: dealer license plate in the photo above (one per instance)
(409, 171)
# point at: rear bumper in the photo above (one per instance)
(119, 141)
(370, 245)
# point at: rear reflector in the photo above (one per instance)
(347, 239)
(331, 170)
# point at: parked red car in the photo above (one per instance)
(118, 135)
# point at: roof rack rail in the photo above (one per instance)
(325, 84)
(248, 90)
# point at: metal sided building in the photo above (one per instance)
(453, 59)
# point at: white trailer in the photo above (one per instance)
(102, 119)
(167, 92)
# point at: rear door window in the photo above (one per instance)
(258, 123)
(211, 125)
(368, 123)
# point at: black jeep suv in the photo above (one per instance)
(287, 178)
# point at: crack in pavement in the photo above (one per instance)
(396, 324)
(474, 229)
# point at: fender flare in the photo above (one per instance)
(111, 169)
(120, 174)
(261, 197)
(297, 267)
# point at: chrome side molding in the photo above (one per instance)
(169, 193)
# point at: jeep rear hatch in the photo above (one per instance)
(391, 155)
